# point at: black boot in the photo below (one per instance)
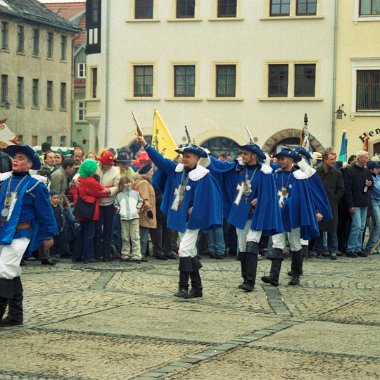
(183, 284)
(196, 285)
(274, 273)
(3, 306)
(253, 249)
(242, 257)
(14, 290)
(293, 265)
(297, 261)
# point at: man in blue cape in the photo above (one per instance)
(250, 204)
(26, 222)
(192, 202)
(299, 212)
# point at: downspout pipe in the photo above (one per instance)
(107, 74)
(335, 46)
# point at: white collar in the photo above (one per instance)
(196, 174)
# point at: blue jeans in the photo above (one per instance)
(375, 231)
(86, 237)
(116, 233)
(103, 233)
(144, 235)
(216, 241)
(355, 239)
(332, 242)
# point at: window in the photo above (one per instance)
(81, 70)
(279, 7)
(35, 93)
(185, 8)
(63, 48)
(278, 80)
(20, 91)
(94, 82)
(36, 42)
(93, 26)
(81, 110)
(225, 80)
(49, 94)
(20, 39)
(368, 90)
(304, 80)
(143, 80)
(62, 141)
(20, 139)
(227, 8)
(4, 35)
(143, 9)
(4, 89)
(62, 103)
(184, 80)
(306, 8)
(50, 44)
(49, 139)
(369, 7)
(34, 140)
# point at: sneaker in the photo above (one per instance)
(246, 286)
(194, 293)
(294, 281)
(351, 254)
(333, 256)
(362, 254)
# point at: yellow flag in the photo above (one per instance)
(162, 140)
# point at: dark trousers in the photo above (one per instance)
(161, 238)
(103, 233)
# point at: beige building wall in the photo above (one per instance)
(252, 40)
(357, 49)
(34, 124)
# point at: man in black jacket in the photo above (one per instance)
(333, 183)
(357, 182)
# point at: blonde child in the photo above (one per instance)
(128, 204)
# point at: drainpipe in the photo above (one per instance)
(336, 15)
(107, 73)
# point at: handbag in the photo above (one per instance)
(84, 209)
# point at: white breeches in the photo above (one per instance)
(247, 235)
(10, 258)
(188, 243)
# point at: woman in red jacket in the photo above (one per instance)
(90, 190)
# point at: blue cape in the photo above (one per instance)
(299, 210)
(266, 216)
(202, 194)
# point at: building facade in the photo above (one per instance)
(75, 13)
(216, 66)
(35, 72)
(358, 75)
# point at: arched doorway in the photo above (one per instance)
(289, 137)
(219, 146)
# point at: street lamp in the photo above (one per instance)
(340, 112)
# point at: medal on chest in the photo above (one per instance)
(245, 188)
(179, 193)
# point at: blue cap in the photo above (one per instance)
(191, 148)
(286, 152)
(373, 164)
(29, 152)
(255, 149)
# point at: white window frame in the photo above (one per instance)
(78, 108)
(358, 18)
(358, 65)
(82, 67)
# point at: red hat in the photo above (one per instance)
(107, 158)
(144, 156)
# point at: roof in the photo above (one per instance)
(34, 11)
(74, 12)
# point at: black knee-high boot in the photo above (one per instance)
(242, 257)
(3, 306)
(13, 292)
(297, 261)
(274, 275)
(196, 282)
(251, 256)
(185, 268)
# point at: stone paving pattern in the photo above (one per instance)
(120, 321)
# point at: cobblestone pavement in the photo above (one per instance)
(120, 321)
